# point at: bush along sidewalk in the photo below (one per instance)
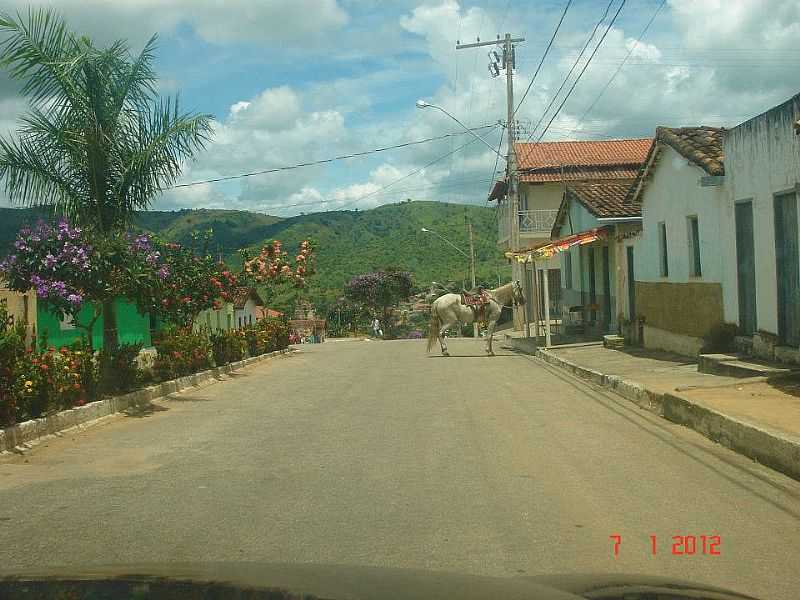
(39, 382)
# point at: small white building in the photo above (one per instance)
(759, 231)
(545, 169)
(246, 306)
(677, 261)
(592, 225)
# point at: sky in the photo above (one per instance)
(294, 81)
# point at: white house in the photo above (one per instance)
(677, 261)
(246, 306)
(589, 236)
(759, 231)
(545, 169)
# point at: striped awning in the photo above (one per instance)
(559, 245)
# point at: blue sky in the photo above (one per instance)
(295, 80)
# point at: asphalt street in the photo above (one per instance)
(376, 454)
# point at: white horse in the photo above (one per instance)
(447, 310)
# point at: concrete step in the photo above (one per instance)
(733, 365)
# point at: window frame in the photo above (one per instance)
(663, 250)
(693, 235)
(567, 269)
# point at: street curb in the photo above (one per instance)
(23, 436)
(768, 447)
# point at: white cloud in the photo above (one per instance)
(272, 21)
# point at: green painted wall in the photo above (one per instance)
(132, 326)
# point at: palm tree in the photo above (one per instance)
(98, 143)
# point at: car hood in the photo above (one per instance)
(337, 582)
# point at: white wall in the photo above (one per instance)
(762, 158)
(672, 194)
(541, 196)
(246, 313)
(215, 320)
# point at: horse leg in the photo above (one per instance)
(443, 338)
(489, 337)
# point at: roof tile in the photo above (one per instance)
(701, 145)
(605, 200)
(545, 155)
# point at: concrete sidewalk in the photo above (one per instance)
(755, 416)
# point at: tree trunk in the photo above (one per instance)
(109, 327)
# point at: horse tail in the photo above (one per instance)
(433, 327)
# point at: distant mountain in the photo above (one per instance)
(232, 228)
(350, 242)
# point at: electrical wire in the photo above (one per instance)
(622, 64)
(406, 176)
(583, 70)
(574, 65)
(328, 160)
(546, 50)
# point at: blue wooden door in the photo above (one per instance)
(787, 261)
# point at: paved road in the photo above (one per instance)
(371, 453)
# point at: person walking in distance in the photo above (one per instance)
(376, 328)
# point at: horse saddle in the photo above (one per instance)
(478, 300)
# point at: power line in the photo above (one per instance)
(583, 70)
(328, 160)
(412, 173)
(546, 50)
(574, 65)
(619, 68)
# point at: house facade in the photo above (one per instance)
(245, 308)
(133, 327)
(589, 236)
(545, 169)
(21, 308)
(759, 231)
(678, 259)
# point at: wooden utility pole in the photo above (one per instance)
(512, 176)
(472, 273)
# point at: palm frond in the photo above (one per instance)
(135, 82)
(32, 178)
(164, 138)
(43, 53)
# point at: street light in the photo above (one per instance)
(470, 256)
(423, 104)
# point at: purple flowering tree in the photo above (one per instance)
(380, 292)
(69, 267)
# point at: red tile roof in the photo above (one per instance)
(264, 312)
(241, 295)
(581, 174)
(577, 161)
(603, 200)
(546, 155)
(701, 145)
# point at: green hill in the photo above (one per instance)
(232, 228)
(390, 236)
(350, 242)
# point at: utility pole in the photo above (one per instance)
(512, 177)
(472, 273)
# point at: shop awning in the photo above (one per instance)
(559, 245)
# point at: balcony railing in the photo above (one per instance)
(537, 221)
